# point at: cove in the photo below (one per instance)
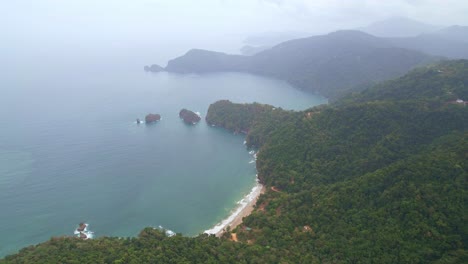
(70, 151)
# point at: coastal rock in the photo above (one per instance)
(81, 227)
(83, 232)
(189, 117)
(151, 118)
(154, 68)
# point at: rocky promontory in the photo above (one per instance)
(151, 118)
(189, 117)
(154, 68)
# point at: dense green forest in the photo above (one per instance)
(377, 177)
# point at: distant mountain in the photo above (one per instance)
(434, 44)
(450, 42)
(399, 27)
(205, 61)
(456, 33)
(328, 64)
(252, 50)
(273, 38)
(263, 41)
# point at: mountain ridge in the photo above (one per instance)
(326, 64)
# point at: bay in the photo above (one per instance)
(70, 151)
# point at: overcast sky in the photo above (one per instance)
(213, 24)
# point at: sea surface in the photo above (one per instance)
(71, 152)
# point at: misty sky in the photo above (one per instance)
(177, 25)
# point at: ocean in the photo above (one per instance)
(71, 151)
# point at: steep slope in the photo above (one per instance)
(328, 64)
(441, 82)
(381, 178)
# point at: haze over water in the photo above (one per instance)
(70, 150)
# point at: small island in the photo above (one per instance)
(152, 118)
(153, 68)
(189, 117)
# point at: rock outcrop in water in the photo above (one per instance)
(154, 68)
(81, 227)
(189, 117)
(151, 118)
(82, 231)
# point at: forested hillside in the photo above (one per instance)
(329, 64)
(378, 177)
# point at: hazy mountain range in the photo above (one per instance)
(399, 27)
(327, 64)
(404, 32)
(334, 63)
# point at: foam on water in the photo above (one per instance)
(242, 204)
(168, 232)
(89, 234)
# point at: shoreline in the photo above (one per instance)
(244, 208)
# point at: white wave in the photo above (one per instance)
(245, 142)
(89, 234)
(168, 232)
(242, 204)
(252, 152)
(252, 161)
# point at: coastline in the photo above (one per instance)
(244, 208)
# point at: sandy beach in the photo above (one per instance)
(245, 208)
(246, 211)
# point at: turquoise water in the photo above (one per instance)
(70, 151)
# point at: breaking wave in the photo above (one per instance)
(85, 234)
